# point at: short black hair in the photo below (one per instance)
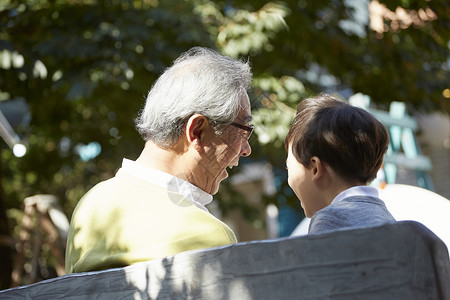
(349, 139)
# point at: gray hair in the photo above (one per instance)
(199, 81)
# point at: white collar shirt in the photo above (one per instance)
(174, 184)
(360, 190)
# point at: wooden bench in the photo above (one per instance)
(395, 261)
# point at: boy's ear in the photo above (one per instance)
(195, 130)
(317, 168)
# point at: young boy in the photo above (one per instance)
(334, 151)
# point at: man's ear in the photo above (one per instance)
(317, 168)
(195, 130)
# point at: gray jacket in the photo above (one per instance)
(351, 212)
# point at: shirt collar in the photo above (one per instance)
(174, 184)
(360, 190)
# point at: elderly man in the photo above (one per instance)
(196, 124)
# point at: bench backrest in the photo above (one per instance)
(395, 261)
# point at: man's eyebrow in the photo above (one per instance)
(247, 119)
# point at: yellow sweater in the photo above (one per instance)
(126, 220)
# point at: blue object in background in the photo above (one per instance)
(89, 151)
(288, 219)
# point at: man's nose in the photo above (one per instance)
(246, 149)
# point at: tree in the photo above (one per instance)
(84, 70)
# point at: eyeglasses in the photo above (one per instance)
(249, 129)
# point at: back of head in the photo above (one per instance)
(199, 81)
(349, 139)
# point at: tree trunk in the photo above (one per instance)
(5, 244)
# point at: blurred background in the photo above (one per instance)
(74, 75)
